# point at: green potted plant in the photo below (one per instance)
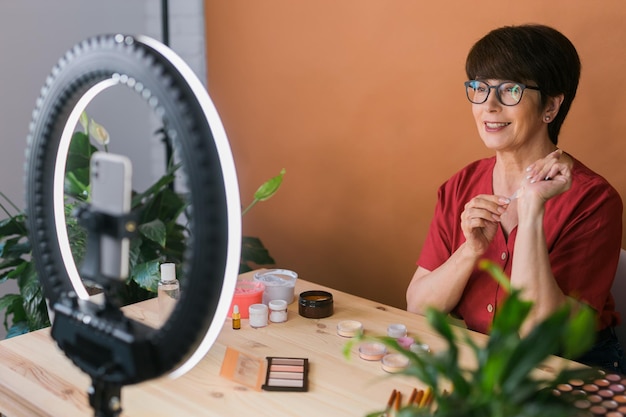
(502, 383)
(161, 236)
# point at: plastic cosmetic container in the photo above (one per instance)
(278, 311)
(168, 290)
(372, 351)
(246, 294)
(419, 348)
(394, 362)
(279, 284)
(349, 328)
(405, 341)
(258, 314)
(396, 330)
(315, 304)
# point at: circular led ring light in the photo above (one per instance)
(177, 96)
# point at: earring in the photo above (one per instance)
(547, 118)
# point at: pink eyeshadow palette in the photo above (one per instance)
(286, 374)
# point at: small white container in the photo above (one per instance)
(258, 315)
(278, 311)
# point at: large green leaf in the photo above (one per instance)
(266, 190)
(253, 250)
(12, 305)
(270, 187)
(146, 275)
(18, 328)
(79, 153)
(155, 231)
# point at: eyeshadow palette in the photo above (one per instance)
(286, 374)
(604, 396)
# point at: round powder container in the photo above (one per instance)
(315, 304)
(258, 315)
(278, 311)
(372, 351)
(349, 328)
(246, 294)
(405, 341)
(419, 348)
(396, 330)
(279, 284)
(394, 362)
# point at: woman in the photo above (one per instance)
(552, 224)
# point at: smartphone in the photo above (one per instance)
(111, 192)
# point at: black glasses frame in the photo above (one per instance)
(468, 85)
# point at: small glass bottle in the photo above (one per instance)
(168, 290)
(278, 311)
(236, 318)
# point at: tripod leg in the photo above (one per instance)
(105, 398)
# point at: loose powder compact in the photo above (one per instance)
(394, 362)
(349, 328)
(372, 351)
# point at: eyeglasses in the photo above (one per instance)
(509, 93)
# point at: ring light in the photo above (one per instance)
(127, 351)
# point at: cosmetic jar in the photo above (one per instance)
(279, 284)
(372, 351)
(278, 311)
(419, 348)
(258, 315)
(349, 328)
(315, 304)
(396, 330)
(405, 341)
(246, 293)
(394, 362)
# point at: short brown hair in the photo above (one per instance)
(529, 53)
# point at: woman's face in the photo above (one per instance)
(510, 127)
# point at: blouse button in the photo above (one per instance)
(490, 308)
(503, 256)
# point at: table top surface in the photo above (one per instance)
(37, 379)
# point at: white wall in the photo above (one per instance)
(34, 34)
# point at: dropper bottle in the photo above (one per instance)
(236, 317)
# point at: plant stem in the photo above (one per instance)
(8, 200)
(256, 200)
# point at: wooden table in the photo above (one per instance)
(36, 379)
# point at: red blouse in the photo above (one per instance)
(583, 229)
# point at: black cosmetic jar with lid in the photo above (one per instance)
(315, 304)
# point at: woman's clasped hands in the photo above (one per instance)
(545, 179)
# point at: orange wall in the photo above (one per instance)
(362, 102)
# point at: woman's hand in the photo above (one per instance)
(548, 177)
(479, 221)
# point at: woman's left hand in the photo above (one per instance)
(549, 176)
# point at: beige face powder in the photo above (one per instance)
(349, 328)
(394, 362)
(372, 351)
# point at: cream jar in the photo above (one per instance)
(278, 311)
(258, 315)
